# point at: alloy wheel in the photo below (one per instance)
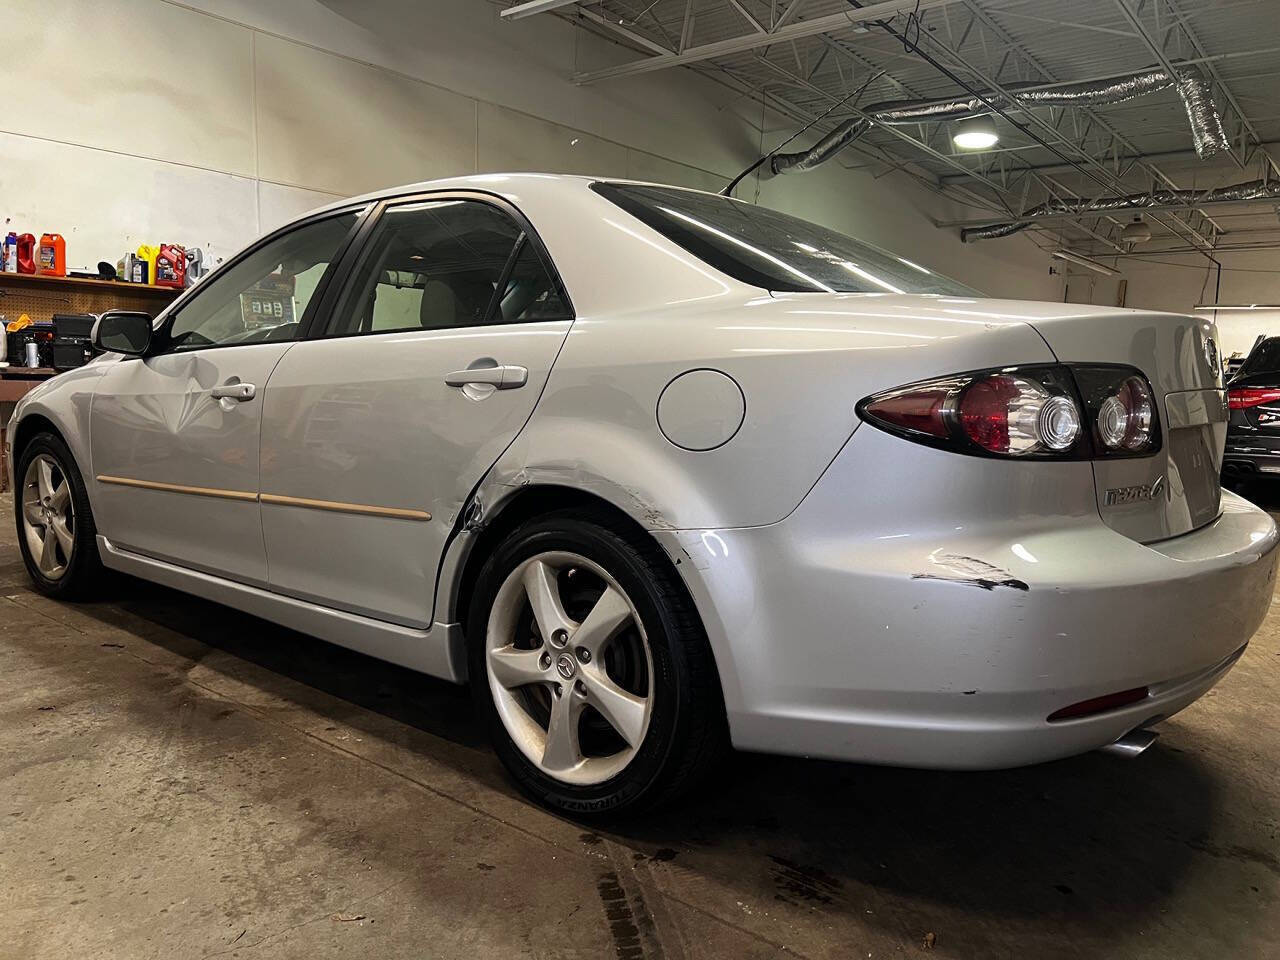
(48, 516)
(570, 667)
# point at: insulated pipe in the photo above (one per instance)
(823, 150)
(1249, 190)
(1193, 87)
(1088, 94)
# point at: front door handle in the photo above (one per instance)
(506, 376)
(234, 391)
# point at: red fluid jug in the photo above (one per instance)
(26, 253)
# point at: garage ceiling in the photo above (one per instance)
(802, 58)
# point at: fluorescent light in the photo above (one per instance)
(1204, 307)
(1086, 262)
(976, 133)
(914, 266)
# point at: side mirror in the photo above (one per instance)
(123, 331)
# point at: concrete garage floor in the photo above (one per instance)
(179, 780)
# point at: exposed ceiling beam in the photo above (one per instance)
(1222, 84)
(1158, 52)
(528, 9)
(1121, 211)
(755, 24)
(893, 130)
(1218, 250)
(1103, 176)
(619, 31)
(1124, 158)
(792, 9)
(791, 31)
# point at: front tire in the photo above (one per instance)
(591, 667)
(56, 532)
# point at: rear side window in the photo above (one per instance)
(528, 293)
(444, 263)
(772, 250)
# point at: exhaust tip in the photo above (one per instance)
(1132, 744)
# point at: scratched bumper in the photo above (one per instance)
(914, 617)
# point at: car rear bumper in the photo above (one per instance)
(950, 649)
(1243, 460)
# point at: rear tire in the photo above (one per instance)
(618, 710)
(56, 532)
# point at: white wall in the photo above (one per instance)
(211, 121)
(1178, 282)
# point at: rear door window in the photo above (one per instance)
(438, 264)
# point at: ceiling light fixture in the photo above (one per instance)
(1136, 232)
(1086, 262)
(976, 133)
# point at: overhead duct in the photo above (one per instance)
(1193, 87)
(1088, 94)
(823, 150)
(1251, 190)
(1206, 123)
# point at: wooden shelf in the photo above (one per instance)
(40, 296)
(27, 373)
(80, 283)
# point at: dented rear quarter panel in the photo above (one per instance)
(802, 363)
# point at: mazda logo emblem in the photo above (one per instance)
(565, 666)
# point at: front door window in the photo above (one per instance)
(264, 296)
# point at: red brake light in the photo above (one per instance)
(984, 412)
(1241, 398)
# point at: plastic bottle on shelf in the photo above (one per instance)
(10, 261)
(53, 255)
(171, 266)
(26, 253)
(147, 254)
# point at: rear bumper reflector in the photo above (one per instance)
(1110, 701)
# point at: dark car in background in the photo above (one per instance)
(1253, 432)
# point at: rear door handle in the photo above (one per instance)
(234, 391)
(507, 376)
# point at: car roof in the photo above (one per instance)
(507, 185)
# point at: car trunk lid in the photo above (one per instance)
(1178, 489)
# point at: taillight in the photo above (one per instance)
(1120, 405)
(1039, 412)
(1241, 398)
(1016, 415)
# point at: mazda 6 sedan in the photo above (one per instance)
(659, 472)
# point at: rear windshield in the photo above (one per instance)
(772, 250)
(1265, 358)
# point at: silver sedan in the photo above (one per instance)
(660, 472)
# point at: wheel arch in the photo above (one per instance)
(28, 428)
(488, 525)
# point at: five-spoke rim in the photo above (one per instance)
(570, 668)
(48, 516)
